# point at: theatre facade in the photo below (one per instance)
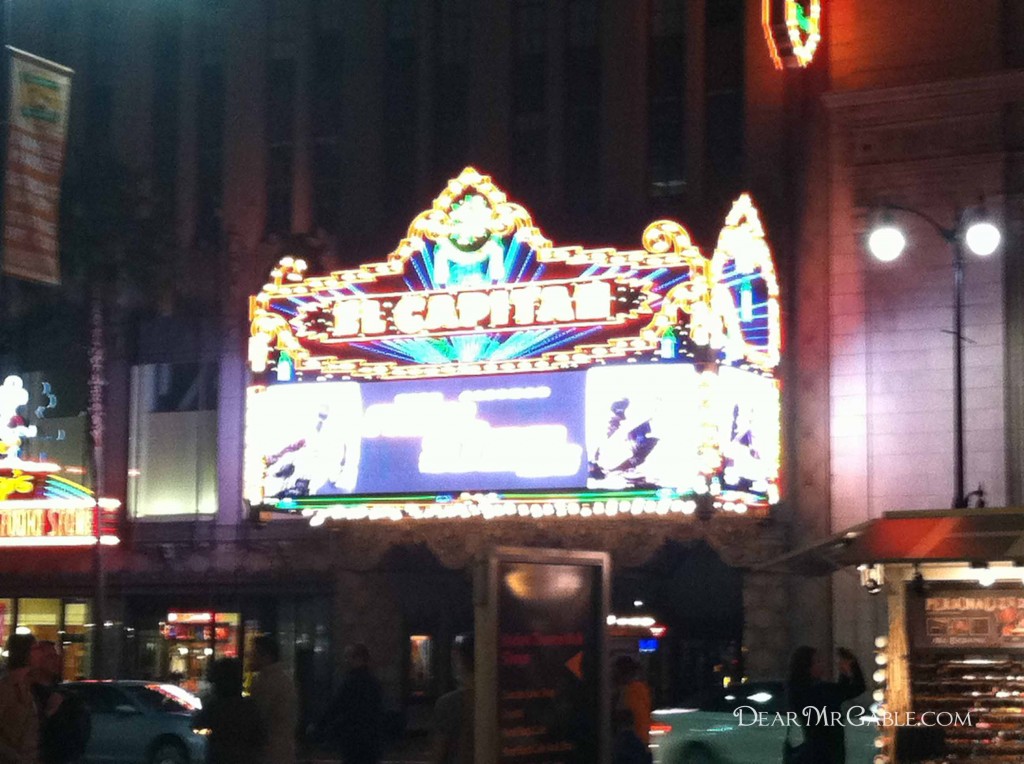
(479, 386)
(482, 386)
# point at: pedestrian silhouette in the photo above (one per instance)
(276, 702)
(235, 737)
(353, 721)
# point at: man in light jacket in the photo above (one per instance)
(274, 694)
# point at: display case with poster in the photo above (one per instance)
(542, 657)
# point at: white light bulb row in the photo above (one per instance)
(489, 509)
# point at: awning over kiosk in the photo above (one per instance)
(927, 536)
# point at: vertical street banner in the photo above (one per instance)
(40, 99)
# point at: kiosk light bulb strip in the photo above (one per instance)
(881, 677)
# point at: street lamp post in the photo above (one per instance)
(886, 242)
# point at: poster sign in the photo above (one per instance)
(609, 428)
(38, 121)
(542, 655)
(961, 619)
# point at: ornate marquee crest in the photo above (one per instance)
(475, 288)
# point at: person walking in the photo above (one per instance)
(632, 694)
(815, 700)
(354, 719)
(64, 722)
(19, 720)
(277, 705)
(234, 735)
(453, 714)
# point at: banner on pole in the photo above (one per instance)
(36, 137)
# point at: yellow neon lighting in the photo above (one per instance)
(789, 45)
(713, 315)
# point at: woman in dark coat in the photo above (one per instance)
(815, 702)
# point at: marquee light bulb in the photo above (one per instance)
(887, 243)
(982, 238)
(986, 576)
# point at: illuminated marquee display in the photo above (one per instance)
(39, 507)
(482, 371)
(793, 31)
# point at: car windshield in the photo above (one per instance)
(162, 698)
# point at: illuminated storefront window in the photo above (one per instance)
(481, 371)
(6, 615)
(67, 623)
(76, 639)
(194, 640)
(173, 461)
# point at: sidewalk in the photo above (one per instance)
(410, 751)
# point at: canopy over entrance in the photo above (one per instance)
(926, 536)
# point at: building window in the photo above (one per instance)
(328, 108)
(666, 93)
(401, 102)
(725, 83)
(529, 97)
(210, 123)
(166, 91)
(451, 87)
(582, 129)
(280, 113)
(173, 449)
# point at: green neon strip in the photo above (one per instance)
(70, 483)
(431, 498)
(802, 19)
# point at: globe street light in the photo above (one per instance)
(981, 237)
(886, 243)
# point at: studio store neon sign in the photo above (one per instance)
(39, 507)
(481, 371)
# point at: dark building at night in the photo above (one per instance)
(210, 139)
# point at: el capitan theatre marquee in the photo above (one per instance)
(480, 371)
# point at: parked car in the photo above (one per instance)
(712, 732)
(135, 722)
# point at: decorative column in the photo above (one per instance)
(765, 626)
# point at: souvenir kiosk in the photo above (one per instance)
(949, 672)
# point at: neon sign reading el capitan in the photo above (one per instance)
(39, 507)
(476, 293)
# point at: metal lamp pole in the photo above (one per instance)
(953, 237)
(959, 492)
